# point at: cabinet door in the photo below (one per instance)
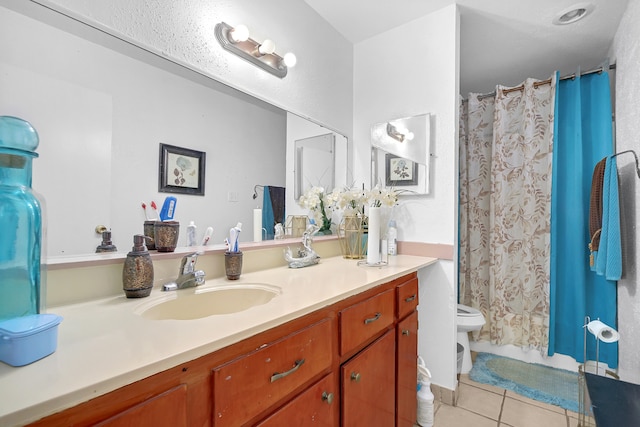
(166, 409)
(407, 375)
(318, 406)
(368, 385)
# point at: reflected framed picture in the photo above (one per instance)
(400, 171)
(181, 170)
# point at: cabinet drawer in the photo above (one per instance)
(318, 406)
(245, 387)
(364, 320)
(407, 297)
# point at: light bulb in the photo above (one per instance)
(409, 136)
(267, 47)
(290, 59)
(239, 34)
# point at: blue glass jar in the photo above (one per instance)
(20, 221)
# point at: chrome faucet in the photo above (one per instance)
(188, 276)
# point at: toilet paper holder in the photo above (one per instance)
(601, 332)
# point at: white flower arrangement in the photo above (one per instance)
(318, 205)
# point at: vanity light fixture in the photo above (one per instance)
(263, 54)
(399, 134)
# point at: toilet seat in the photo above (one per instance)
(466, 311)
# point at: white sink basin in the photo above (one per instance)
(196, 303)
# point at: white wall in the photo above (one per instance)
(626, 54)
(319, 87)
(410, 70)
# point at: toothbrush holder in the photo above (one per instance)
(149, 234)
(165, 234)
(233, 265)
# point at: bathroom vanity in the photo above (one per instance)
(338, 344)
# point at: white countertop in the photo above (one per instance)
(104, 344)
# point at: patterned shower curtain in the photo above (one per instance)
(505, 206)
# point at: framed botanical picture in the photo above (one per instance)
(181, 170)
(400, 171)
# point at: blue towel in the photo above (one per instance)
(609, 257)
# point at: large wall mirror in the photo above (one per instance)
(400, 153)
(102, 106)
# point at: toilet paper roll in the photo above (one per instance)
(257, 225)
(373, 240)
(602, 331)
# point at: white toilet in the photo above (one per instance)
(469, 319)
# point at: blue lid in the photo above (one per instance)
(28, 325)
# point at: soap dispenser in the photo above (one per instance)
(106, 245)
(137, 273)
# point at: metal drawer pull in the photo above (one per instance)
(327, 397)
(277, 376)
(411, 298)
(372, 319)
(405, 332)
(355, 377)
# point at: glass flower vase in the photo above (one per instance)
(350, 235)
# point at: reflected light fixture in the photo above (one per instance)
(237, 40)
(573, 13)
(399, 134)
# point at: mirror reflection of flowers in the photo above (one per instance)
(383, 196)
(320, 206)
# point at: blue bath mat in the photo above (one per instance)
(542, 383)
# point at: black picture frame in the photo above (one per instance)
(400, 171)
(181, 170)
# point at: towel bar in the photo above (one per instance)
(634, 155)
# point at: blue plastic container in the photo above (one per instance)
(25, 339)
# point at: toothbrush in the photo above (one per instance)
(207, 236)
(146, 214)
(234, 234)
(155, 209)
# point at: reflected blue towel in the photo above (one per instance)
(609, 259)
(267, 214)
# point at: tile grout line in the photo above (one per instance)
(504, 398)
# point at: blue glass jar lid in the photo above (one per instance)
(17, 134)
(22, 326)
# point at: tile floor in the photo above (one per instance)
(482, 405)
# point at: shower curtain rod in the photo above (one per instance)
(545, 82)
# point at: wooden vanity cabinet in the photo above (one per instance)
(352, 363)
